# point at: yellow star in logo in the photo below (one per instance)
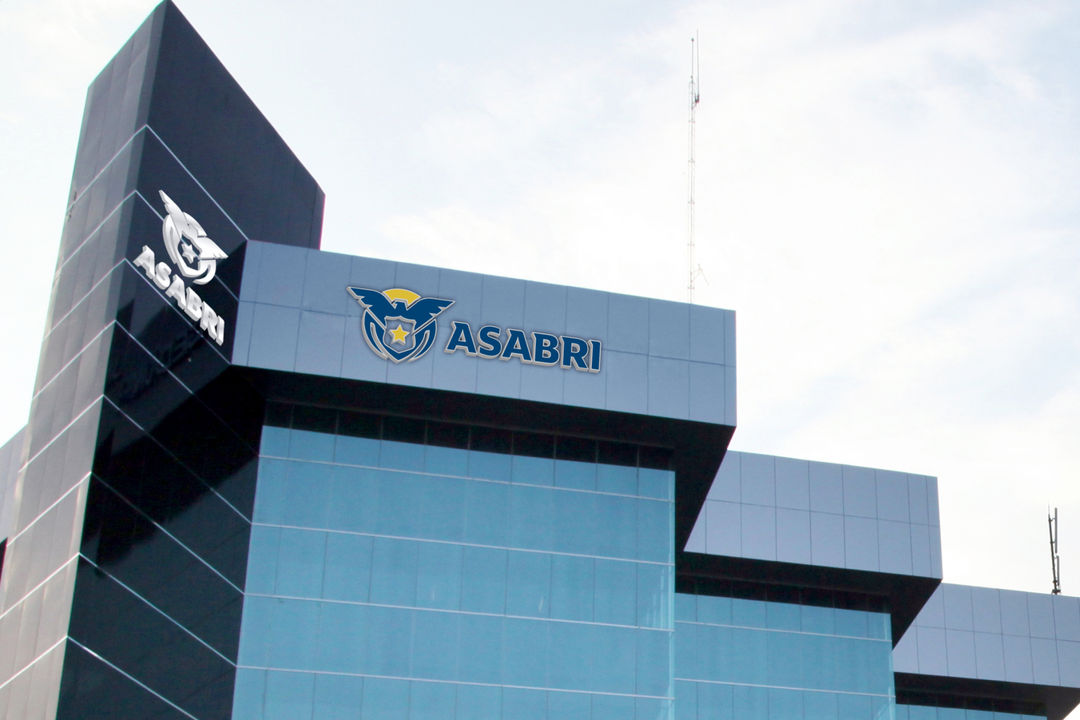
(399, 334)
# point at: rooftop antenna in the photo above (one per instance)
(1055, 559)
(695, 98)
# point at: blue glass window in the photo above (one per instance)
(780, 660)
(394, 579)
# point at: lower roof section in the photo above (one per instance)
(983, 647)
(784, 522)
(902, 595)
(696, 448)
(1051, 701)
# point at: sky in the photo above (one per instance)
(886, 196)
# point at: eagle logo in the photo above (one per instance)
(187, 242)
(398, 324)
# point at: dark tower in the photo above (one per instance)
(124, 570)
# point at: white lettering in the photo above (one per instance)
(194, 305)
(209, 318)
(161, 276)
(146, 261)
(176, 291)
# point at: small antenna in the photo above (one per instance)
(1055, 559)
(695, 98)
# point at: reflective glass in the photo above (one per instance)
(572, 587)
(385, 699)
(354, 450)
(337, 697)
(529, 584)
(431, 701)
(571, 706)
(783, 660)
(347, 572)
(393, 571)
(288, 695)
(385, 573)
(438, 578)
(616, 479)
(478, 702)
(483, 587)
(575, 474)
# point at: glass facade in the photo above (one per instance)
(402, 570)
(764, 660)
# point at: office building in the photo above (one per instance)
(260, 480)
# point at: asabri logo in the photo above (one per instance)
(399, 325)
(186, 242)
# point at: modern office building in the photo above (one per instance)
(260, 480)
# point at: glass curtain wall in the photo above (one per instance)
(403, 569)
(751, 659)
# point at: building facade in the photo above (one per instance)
(260, 480)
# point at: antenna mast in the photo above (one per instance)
(1055, 559)
(695, 98)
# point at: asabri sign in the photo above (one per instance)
(401, 326)
(195, 256)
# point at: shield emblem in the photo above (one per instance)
(399, 333)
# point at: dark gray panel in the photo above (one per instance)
(669, 387)
(1040, 616)
(958, 612)
(707, 392)
(723, 528)
(892, 495)
(827, 539)
(933, 612)
(758, 479)
(319, 344)
(860, 496)
(860, 543)
(792, 484)
(625, 314)
(586, 312)
(793, 536)
(1014, 613)
(1069, 662)
(1018, 667)
(545, 307)
(826, 488)
(758, 533)
(932, 657)
(918, 506)
(726, 484)
(706, 335)
(669, 329)
(960, 651)
(1066, 617)
(894, 547)
(986, 608)
(273, 337)
(1044, 661)
(626, 382)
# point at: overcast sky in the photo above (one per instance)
(887, 197)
